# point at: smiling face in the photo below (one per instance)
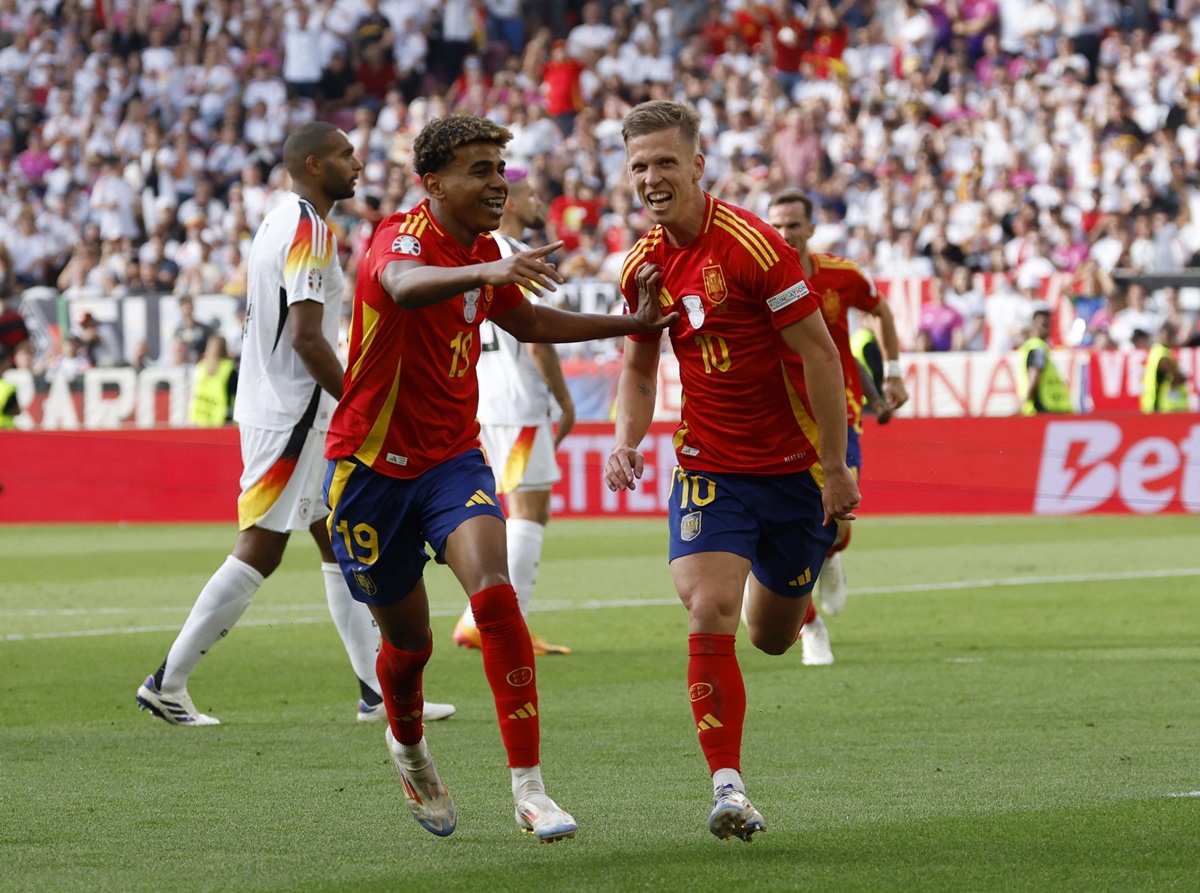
(468, 193)
(665, 170)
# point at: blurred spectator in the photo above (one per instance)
(963, 296)
(214, 385)
(191, 331)
(95, 345)
(941, 322)
(1089, 292)
(1136, 314)
(113, 202)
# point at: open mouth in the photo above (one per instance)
(658, 201)
(495, 204)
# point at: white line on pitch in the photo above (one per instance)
(588, 605)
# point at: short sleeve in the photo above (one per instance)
(306, 271)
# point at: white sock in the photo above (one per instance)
(413, 756)
(723, 777)
(468, 617)
(524, 553)
(527, 781)
(220, 604)
(356, 626)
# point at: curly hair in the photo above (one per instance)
(436, 143)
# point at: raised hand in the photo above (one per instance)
(527, 269)
(649, 311)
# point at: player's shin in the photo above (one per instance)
(400, 674)
(508, 662)
(718, 697)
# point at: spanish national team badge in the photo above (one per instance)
(689, 526)
(714, 284)
(485, 298)
(365, 583)
(406, 244)
(695, 310)
(315, 279)
(832, 302)
(470, 305)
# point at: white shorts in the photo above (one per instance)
(522, 457)
(282, 477)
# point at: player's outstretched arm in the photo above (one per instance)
(827, 394)
(636, 396)
(412, 284)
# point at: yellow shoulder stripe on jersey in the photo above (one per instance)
(373, 442)
(806, 423)
(833, 262)
(750, 238)
(637, 254)
(370, 325)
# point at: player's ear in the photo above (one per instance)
(433, 185)
(698, 166)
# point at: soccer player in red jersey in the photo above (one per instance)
(405, 464)
(762, 442)
(839, 285)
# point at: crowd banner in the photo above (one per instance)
(1119, 463)
(940, 385)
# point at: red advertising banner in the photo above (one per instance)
(1044, 465)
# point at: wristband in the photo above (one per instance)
(891, 369)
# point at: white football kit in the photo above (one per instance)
(282, 412)
(515, 406)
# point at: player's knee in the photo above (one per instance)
(769, 641)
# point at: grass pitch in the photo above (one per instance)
(1013, 707)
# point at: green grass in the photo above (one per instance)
(1012, 707)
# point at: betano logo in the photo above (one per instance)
(1085, 466)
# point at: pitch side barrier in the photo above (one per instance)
(1043, 465)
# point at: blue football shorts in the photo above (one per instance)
(380, 524)
(853, 451)
(773, 520)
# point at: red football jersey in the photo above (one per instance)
(745, 407)
(839, 284)
(410, 392)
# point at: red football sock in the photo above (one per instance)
(400, 683)
(508, 664)
(718, 697)
(839, 546)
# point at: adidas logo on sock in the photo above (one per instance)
(526, 712)
(709, 722)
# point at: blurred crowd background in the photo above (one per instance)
(981, 146)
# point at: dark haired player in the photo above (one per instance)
(405, 464)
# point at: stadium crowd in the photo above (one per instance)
(984, 145)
